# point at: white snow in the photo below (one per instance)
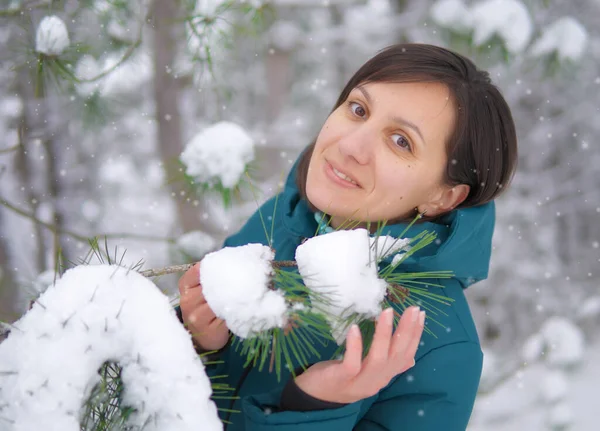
(341, 266)
(590, 308)
(384, 246)
(235, 282)
(220, 152)
(129, 76)
(52, 37)
(86, 68)
(11, 107)
(451, 14)
(565, 341)
(93, 314)
(124, 79)
(516, 403)
(489, 372)
(509, 19)
(560, 417)
(533, 348)
(566, 36)
(560, 342)
(285, 35)
(196, 243)
(554, 386)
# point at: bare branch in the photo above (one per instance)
(182, 268)
(79, 236)
(10, 149)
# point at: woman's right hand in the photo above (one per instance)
(209, 332)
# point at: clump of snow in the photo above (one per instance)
(590, 308)
(285, 35)
(10, 107)
(196, 243)
(123, 78)
(93, 314)
(509, 19)
(128, 76)
(235, 282)
(116, 171)
(560, 340)
(384, 246)
(489, 372)
(340, 267)
(51, 37)
(566, 36)
(533, 348)
(452, 14)
(565, 340)
(86, 68)
(560, 417)
(219, 153)
(554, 386)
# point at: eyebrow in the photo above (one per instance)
(398, 120)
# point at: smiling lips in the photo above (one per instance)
(342, 176)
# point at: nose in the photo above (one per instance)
(356, 144)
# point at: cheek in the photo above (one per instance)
(402, 182)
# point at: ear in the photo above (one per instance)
(449, 198)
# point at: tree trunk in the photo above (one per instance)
(166, 97)
(9, 293)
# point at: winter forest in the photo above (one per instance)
(104, 105)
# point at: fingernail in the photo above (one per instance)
(354, 330)
(389, 315)
(422, 318)
(414, 314)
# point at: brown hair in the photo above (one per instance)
(482, 150)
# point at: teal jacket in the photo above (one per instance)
(437, 394)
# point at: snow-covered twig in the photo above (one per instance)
(92, 315)
(76, 235)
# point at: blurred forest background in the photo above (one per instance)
(91, 136)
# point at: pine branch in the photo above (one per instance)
(182, 268)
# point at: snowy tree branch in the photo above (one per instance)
(76, 235)
(9, 149)
(10, 12)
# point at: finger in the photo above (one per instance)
(216, 323)
(415, 340)
(201, 317)
(192, 298)
(380, 347)
(405, 333)
(190, 279)
(352, 362)
(190, 302)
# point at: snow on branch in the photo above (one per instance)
(49, 363)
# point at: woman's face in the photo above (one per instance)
(382, 153)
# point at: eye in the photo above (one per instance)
(357, 109)
(401, 141)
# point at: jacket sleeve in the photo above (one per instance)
(438, 393)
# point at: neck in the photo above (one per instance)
(342, 223)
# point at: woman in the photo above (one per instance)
(417, 130)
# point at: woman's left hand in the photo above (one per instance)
(353, 379)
